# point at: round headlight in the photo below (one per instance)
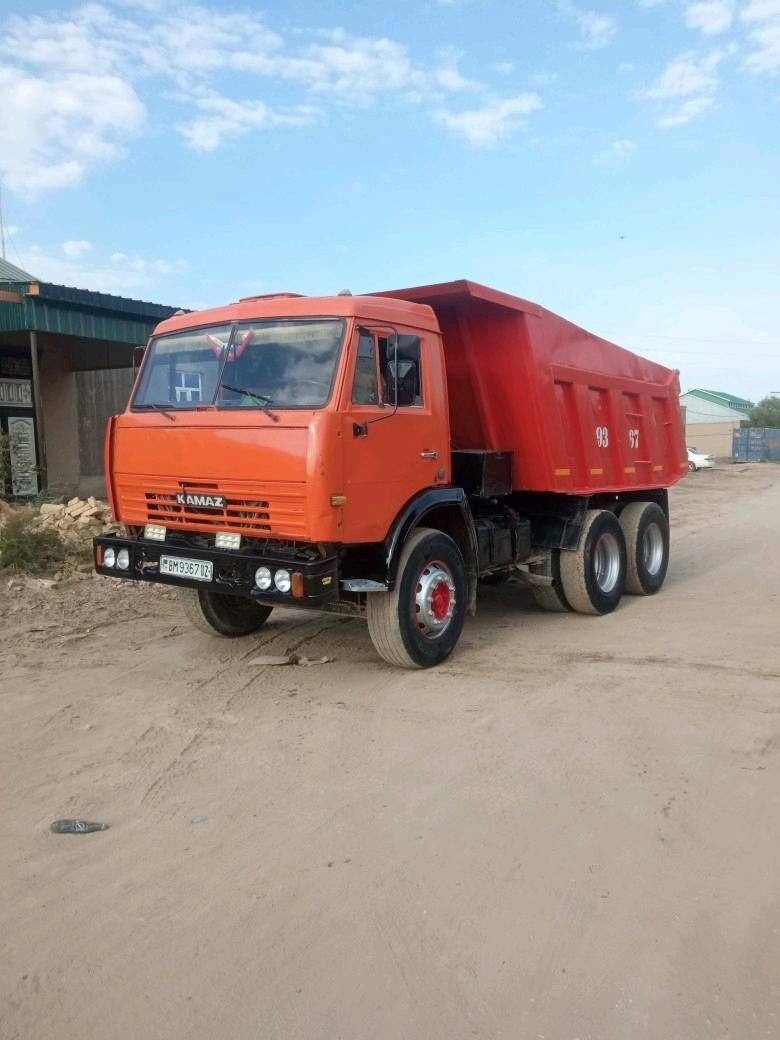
(109, 558)
(123, 559)
(282, 580)
(263, 578)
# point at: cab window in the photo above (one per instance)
(401, 375)
(364, 386)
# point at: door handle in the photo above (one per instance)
(429, 454)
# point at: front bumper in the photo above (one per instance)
(233, 572)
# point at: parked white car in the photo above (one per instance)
(698, 461)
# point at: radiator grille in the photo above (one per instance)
(250, 508)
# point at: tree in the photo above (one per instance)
(766, 413)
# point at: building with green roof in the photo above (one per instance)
(66, 365)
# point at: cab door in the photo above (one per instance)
(391, 450)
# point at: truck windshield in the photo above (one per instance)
(285, 363)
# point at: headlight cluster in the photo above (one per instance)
(265, 579)
(116, 558)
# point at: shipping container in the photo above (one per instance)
(756, 444)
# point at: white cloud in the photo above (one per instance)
(53, 126)
(617, 155)
(687, 111)
(75, 248)
(484, 127)
(710, 16)
(690, 80)
(71, 86)
(121, 275)
(689, 74)
(763, 18)
(504, 67)
(596, 29)
(222, 118)
(450, 78)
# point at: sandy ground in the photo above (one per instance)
(570, 830)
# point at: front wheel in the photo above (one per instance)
(418, 624)
(217, 613)
(692, 467)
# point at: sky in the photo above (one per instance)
(615, 162)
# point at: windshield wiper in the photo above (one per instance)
(261, 399)
(161, 408)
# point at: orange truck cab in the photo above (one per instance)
(379, 455)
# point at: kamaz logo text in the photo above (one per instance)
(201, 501)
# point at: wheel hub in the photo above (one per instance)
(653, 548)
(606, 562)
(434, 600)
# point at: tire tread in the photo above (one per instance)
(573, 572)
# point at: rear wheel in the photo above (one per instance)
(418, 624)
(222, 614)
(594, 575)
(646, 530)
(550, 597)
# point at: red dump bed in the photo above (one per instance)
(578, 413)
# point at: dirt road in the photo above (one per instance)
(570, 830)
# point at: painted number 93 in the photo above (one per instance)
(602, 436)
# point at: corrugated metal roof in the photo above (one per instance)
(739, 404)
(78, 312)
(11, 273)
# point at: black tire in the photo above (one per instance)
(594, 575)
(550, 597)
(692, 467)
(646, 530)
(396, 625)
(216, 613)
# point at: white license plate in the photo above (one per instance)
(200, 570)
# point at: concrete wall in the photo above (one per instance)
(714, 438)
(60, 419)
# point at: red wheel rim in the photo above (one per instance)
(434, 600)
(440, 601)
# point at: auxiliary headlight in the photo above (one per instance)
(282, 580)
(263, 578)
(154, 532)
(227, 540)
(123, 559)
(109, 558)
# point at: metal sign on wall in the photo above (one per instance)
(16, 393)
(24, 458)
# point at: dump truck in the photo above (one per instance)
(381, 455)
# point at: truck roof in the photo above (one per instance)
(291, 305)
